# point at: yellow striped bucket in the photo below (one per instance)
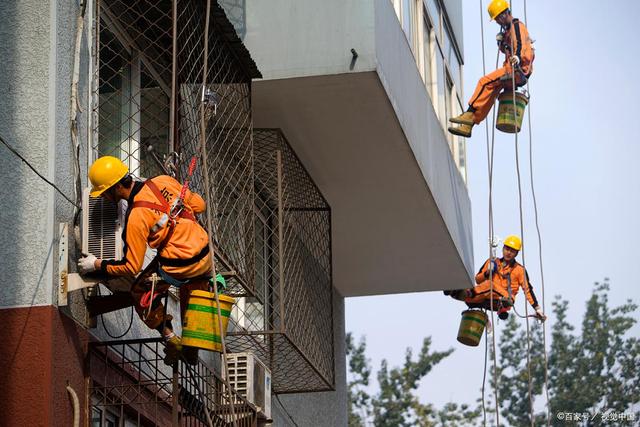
(200, 323)
(506, 122)
(472, 327)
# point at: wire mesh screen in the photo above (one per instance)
(133, 91)
(288, 322)
(148, 93)
(156, 85)
(130, 385)
(227, 112)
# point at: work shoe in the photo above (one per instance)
(465, 118)
(503, 313)
(172, 350)
(461, 130)
(461, 294)
(190, 354)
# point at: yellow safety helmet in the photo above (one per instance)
(496, 7)
(104, 173)
(513, 242)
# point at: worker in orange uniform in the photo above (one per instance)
(154, 218)
(508, 276)
(514, 41)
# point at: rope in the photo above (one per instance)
(203, 143)
(490, 152)
(490, 158)
(535, 210)
(526, 281)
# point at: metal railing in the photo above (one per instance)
(129, 382)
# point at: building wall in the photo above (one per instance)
(43, 352)
(323, 409)
(412, 104)
(37, 42)
(28, 88)
(43, 349)
(290, 38)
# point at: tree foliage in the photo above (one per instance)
(594, 370)
(396, 404)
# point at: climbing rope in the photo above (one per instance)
(535, 210)
(490, 152)
(203, 153)
(526, 278)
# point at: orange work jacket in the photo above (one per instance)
(509, 274)
(185, 255)
(516, 41)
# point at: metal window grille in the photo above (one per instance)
(150, 86)
(288, 322)
(228, 140)
(130, 381)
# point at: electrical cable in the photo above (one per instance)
(13, 150)
(104, 324)
(285, 410)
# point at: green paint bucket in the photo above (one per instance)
(472, 327)
(507, 121)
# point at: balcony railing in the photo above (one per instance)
(130, 384)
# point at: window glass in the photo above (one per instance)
(433, 8)
(447, 102)
(96, 417)
(113, 78)
(133, 108)
(428, 60)
(441, 88)
(407, 19)
(452, 58)
(154, 125)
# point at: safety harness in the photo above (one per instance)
(170, 214)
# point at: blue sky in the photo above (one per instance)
(584, 107)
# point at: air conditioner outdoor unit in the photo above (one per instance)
(102, 224)
(101, 227)
(252, 380)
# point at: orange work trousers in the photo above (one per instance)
(154, 316)
(482, 292)
(488, 89)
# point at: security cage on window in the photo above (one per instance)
(288, 322)
(157, 92)
(130, 385)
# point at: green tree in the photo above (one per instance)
(594, 372)
(359, 402)
(396, 403)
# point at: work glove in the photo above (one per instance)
(515, 61)
(492, 269)
(499, 38)
(87, 264)
(540, 315)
